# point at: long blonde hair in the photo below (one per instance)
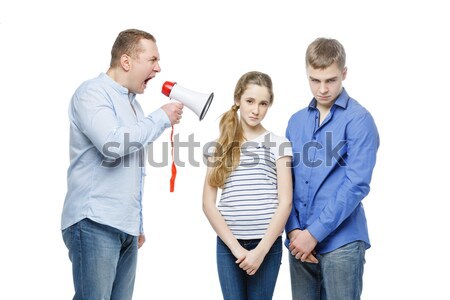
(228, 151)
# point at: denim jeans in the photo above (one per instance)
(103, 261)
(338, 276)
(236, 284)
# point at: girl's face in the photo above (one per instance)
(254, 103)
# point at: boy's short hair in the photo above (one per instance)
(323, 52)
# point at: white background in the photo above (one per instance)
(398, 64)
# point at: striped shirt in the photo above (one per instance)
(249, 197)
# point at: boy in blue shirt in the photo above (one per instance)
(335, 141)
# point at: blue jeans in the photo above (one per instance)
(337, 276)
(103, 261)
(236, 284)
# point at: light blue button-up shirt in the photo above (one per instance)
(333, 164)
(107, 155)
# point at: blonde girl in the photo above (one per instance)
(251, 166)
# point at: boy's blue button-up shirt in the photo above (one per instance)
(332, 170)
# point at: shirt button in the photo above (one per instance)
(306, 182)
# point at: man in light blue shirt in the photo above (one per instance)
(102, 213)
(334, 142)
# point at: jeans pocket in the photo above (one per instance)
(67, 236)
(277, 247)
(222, 248)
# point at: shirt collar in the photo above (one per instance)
(341, 101)
(121, 89)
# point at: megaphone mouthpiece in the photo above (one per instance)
(167, 87)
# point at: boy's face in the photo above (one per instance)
(326, 84)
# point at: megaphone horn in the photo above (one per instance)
(197, 102)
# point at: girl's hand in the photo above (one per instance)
(252, 261)
(240, 253)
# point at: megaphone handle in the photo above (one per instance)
(174, 167)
